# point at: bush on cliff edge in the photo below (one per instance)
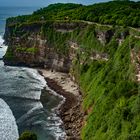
(28, 136)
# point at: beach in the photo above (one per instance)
(70, 111)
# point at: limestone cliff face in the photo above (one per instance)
(27, 47)
(33, 45)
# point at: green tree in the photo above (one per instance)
(28, 136)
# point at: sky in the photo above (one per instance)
(43, 3)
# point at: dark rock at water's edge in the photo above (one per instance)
(70, 112)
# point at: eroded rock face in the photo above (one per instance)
(29, 52)
(29, 47)
(104, 36)
(57, 62)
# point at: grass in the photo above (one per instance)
(108, 90)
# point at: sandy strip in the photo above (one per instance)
(70, 112)
(62, 80)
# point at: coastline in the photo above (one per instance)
(70, 111)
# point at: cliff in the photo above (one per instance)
(103, 60)
(51, 45)
(35, 45)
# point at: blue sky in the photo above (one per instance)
(43, 3)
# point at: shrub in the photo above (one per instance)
(28, 136)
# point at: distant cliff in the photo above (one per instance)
(103, 59)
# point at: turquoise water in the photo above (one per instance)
(20, 91)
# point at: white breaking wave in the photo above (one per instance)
(26, 116)
(1, 40)
(56, 129)
(3, 48)
(8, 126)
(21, 82)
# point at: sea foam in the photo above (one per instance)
(8, 126)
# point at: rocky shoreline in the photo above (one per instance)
(70, 112)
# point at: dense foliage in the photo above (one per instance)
(110, 92)
(124, 13)
(28, 136)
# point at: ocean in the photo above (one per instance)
(20, 91)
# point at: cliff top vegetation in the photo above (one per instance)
(124, 13)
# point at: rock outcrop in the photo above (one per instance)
(30, 45)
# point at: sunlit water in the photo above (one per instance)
(20, 105)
